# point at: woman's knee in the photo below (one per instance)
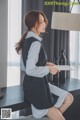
(55, 114)
(69, 99)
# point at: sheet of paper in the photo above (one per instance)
(63, 67)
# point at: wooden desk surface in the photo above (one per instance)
(13, 96)
(71, 84)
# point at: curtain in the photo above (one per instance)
(54, 40)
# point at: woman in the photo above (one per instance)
(45, 99)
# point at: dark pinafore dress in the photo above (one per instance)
(36, 89)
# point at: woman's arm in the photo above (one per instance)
(31, 68)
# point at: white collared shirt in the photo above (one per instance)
(33, 54)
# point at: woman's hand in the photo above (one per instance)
(53, 70)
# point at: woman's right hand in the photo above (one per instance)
(53, 70)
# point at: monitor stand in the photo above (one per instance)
(1, 94)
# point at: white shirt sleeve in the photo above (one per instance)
(32, 59)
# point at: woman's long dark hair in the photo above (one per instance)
(30, 20)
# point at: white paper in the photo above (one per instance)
(63, 67)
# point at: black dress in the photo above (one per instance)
(36, 89)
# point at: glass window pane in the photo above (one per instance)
(75, 47)
(14, 33)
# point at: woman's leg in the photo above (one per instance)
(49, 118)
(68, 101)
(55, 114)
(63, 95)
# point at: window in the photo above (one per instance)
(75, 48)
(14, 33)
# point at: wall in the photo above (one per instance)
(3, 41)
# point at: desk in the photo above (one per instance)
(13, 96)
